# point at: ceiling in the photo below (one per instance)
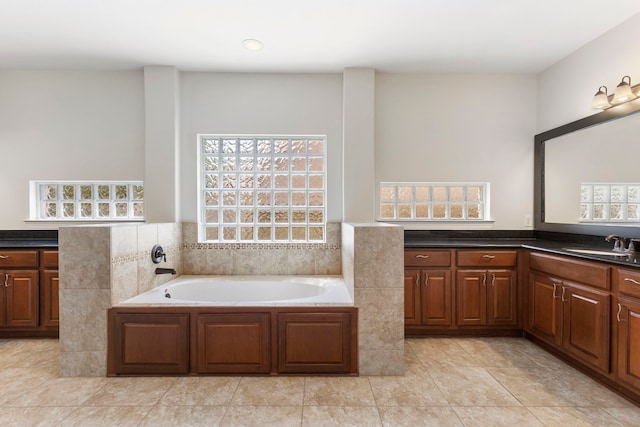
(523, 36)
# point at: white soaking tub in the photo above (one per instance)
(247, 291)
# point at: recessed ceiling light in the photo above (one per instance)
(252, 44)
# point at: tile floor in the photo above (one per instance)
(449, 382)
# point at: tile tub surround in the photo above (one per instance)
(262, 258)
(100, 266)
(103, 265)
(373, 267)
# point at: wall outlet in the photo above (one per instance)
(528, 221)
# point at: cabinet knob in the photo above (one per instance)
(629, 279)
(422, 256)
(4, 256)
(488, 256)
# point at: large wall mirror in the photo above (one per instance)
(603, 148)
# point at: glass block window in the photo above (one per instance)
(89, 200)
(434, 201)
(261, 188)
(610, 202)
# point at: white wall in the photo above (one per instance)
(66, 125)
(457, 127)
(566, 89)
(261, 104)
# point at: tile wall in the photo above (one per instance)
(373, 261)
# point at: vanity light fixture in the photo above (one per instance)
(601, 99)
(624, 93)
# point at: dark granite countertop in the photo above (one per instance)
(21, 244)
(557, 247)
(17, 239)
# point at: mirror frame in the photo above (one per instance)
(540, 224)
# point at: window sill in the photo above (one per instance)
(83, 221)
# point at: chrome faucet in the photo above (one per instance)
(618, 244)
(634, 245)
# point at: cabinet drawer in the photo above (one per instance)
(418, 258)
(487, 258)
(588, 273)
(16, 259)
(629, 282)
(50, 259)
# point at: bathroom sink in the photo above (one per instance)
(596, 252)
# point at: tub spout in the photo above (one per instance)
(165, 270)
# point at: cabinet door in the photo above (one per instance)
(412, 297)
(502, 297)
(21, 298)
(233, 343)
(471, 297)
(315, 343)
(586, 316)
(49, 305)
(148, 343)
(435, 296)
(545, 308)
(628, 318)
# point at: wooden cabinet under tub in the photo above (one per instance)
(242, 340)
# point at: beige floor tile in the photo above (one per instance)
(497, 417)
(442, 352)
(58, 392)
(409, 390)
(340, 416)
(333, 391)
(201, 391)
(133, 391)
(471, 387)
(184, 416)
(412, 365)
(498, 352)
(576, 417)
(34, 416)
(268, 416)
(106, 416)
(545, 387)
(418, 416)
(626, 416)
(259, 391)
(16, 381)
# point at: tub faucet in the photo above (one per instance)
(618, 242)
(165, 270)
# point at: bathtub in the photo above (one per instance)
(246, 291)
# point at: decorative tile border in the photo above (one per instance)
(138, 256)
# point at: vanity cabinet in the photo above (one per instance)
(29, 293)
(486, 288)
(428, 290)
(569, 307)
(450, 291)
(627, 321)
(49, 289)
(19, 294)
